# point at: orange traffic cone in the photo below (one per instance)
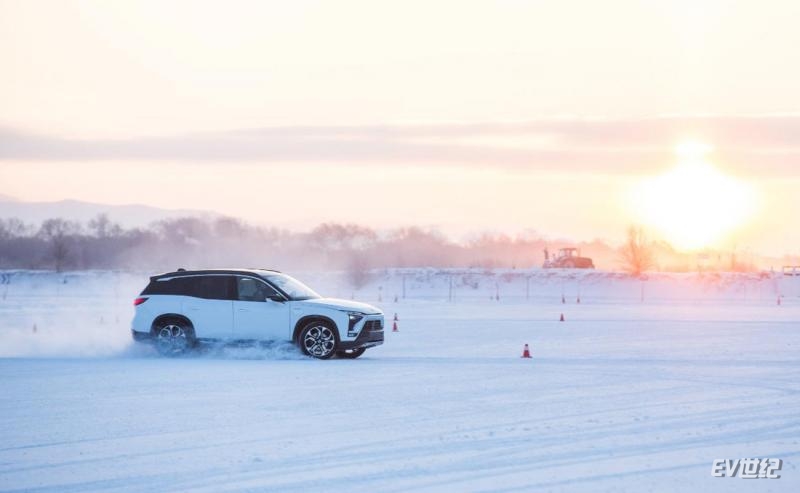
(779, 300)
(563, 299)
(526, 353)
(562, 318)
(579, 300)
(395, 317)
(394, 327)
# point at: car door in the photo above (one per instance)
(256, 313)
(210, 306)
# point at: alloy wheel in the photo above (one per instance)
(172, 339)
(319, 341)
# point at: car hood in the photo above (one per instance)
(337, 304)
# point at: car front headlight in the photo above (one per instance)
(353, 318)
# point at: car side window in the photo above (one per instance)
(253, 290)
(212, 287)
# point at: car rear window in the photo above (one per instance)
(208, 287)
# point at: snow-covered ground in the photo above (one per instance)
(625, 395)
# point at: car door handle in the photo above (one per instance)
(243, 310)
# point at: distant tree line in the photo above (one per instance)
(100, 243)
(194, 242)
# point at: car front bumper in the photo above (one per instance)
(367, 338)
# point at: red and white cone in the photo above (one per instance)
(526, 353)
(395, 317)
(394, 327)
(779, 300)
(562, 318)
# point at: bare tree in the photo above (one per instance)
(58, 232)
(102, 227)
(637, 252)
(14, 228)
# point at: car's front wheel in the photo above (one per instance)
(318, 340)
(351, 353)
(174, 338)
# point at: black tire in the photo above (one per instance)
(174, 337)
(318, 339)
(351, 353)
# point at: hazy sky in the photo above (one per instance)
(467, 116)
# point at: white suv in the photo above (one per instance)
(178, 309)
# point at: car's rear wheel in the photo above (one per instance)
(350, 353)
(174, 338)
(318, 340)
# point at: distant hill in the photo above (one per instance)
(131, 215)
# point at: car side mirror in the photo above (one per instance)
(275, 299)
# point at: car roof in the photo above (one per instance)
(184, 272)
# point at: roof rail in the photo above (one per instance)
(261, 268)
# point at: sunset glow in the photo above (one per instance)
(694, 205)
(227, 107)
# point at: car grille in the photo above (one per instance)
(373, 325)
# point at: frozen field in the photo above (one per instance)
(624, 395)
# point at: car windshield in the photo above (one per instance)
(291, 286)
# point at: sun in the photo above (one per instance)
(694, 205)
